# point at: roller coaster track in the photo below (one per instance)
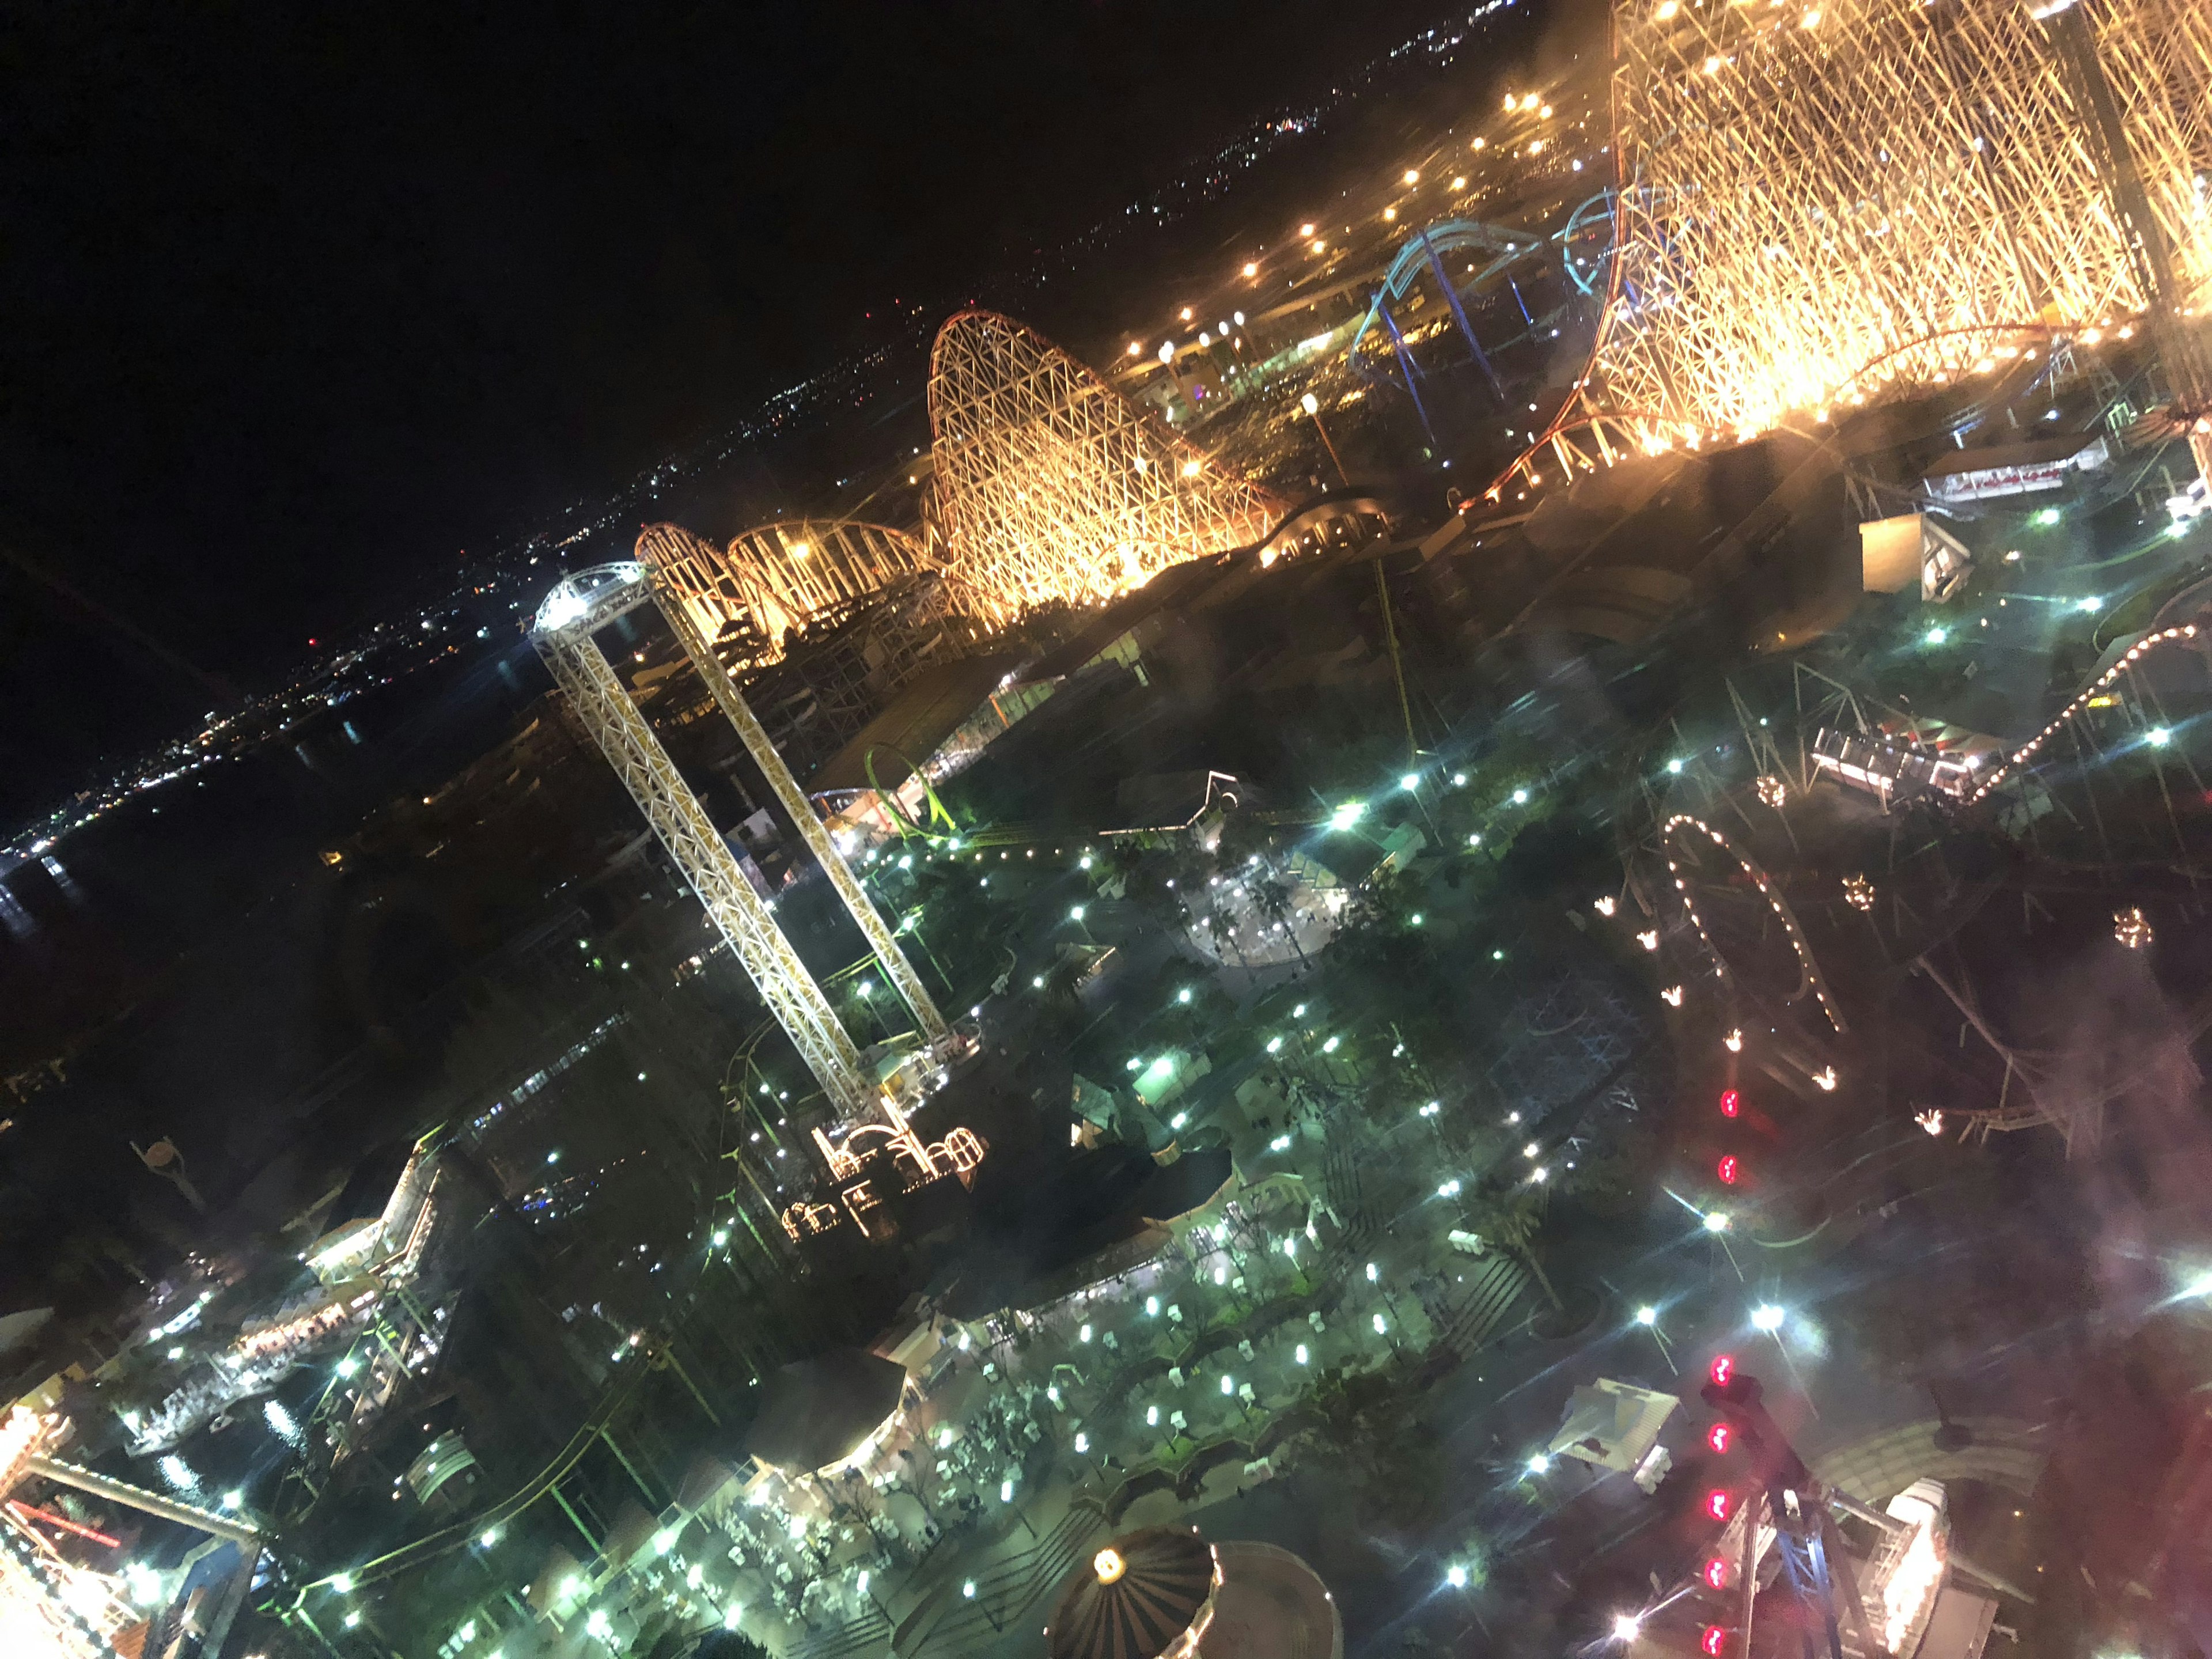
(2128, 661)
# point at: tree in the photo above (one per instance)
(1510, 1221)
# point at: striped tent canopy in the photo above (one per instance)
(1134, 1597)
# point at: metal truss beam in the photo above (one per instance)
(870, 921)
(603, 704)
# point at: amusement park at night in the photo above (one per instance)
(1419, 875)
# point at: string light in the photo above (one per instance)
(2130, 660)
(1767, 888)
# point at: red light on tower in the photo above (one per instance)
(1726, 1169)
(1715, 1573)
(1714, 1642)
(1720, 1437)
(1731, 1102)
(1719, 1503)
(1722, 1368)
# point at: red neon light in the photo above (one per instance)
(1719, 1436)
(17, 1506)
(1714, 1642)
(1723, 1367)
(1731, 1102)
(1716, 1573)
(1726, 1169)
(1717, 1503)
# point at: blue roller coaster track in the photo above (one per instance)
(1425, 250)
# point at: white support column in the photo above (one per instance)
(603, 704)
(881, 939)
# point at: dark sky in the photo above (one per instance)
(297, 300)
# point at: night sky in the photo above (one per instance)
(300, 302)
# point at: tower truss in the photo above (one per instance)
(1051, 486)
(870, 921)
(1828, 202)
(574, 610)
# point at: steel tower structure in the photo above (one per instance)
(1827, 203)
(1051, 486)
(661, 542)
(572, 613)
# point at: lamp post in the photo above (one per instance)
(1311, 405)
(1648, 1317)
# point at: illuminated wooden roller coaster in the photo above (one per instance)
(784, 578)
(1829, 203)
(1052, 487)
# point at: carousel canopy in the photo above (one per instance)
(1134, 1597)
